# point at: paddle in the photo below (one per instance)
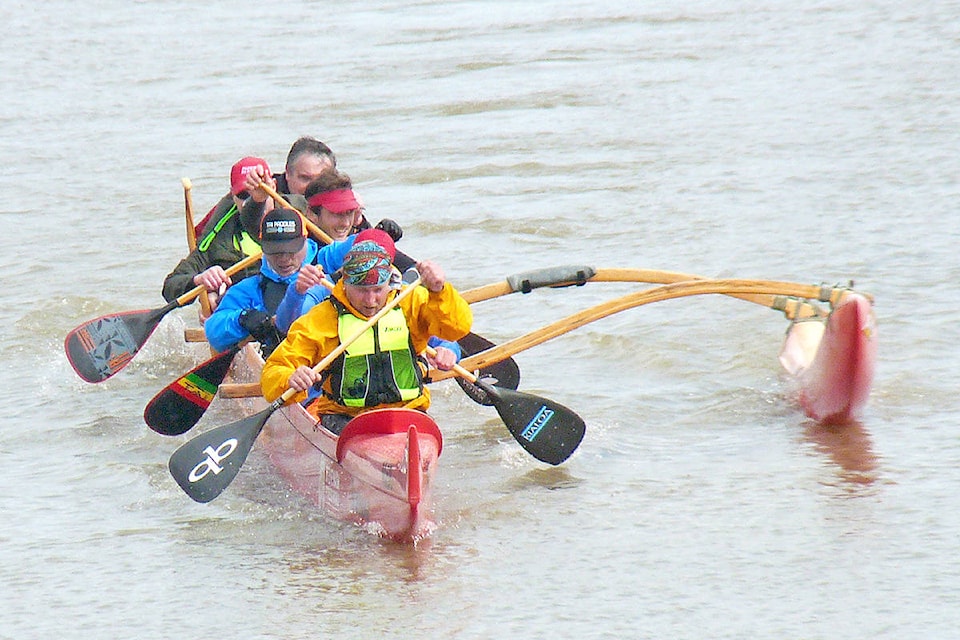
(566, 276)
(205, 305)
(207, 464)
(181, 404)
(101, 347)
(833, 295)
(504, 374)
(549, 431)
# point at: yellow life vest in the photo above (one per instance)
(380, 367)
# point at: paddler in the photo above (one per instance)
(306, 160)
(382, 368)
(336, 209)
(248, 307)
(229, 231)
(221, 240)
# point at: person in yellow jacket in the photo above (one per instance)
(383, 368)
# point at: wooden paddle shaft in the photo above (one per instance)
(189, 296)
(252, 389)
(314, 229)
(188, 209)
(240, 390)
(205, 305)
(460, 371)
(197, 335)
(639, 298)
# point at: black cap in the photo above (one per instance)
(282, 231)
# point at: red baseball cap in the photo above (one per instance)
(238, 174)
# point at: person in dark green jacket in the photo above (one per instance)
(221, 242)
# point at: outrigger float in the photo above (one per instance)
(829, 351)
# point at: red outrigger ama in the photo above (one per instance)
(833, 360)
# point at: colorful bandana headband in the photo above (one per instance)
(367, 264)
(337, 201)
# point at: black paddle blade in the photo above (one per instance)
(549, 431)
(207, 464)
(504, 374)
(179, 407)
(103, 346)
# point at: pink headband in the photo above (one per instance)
(337, 201)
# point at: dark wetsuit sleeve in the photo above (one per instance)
(180, 280)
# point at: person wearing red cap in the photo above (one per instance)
(334, 206)
(222, 240)
(385, 370)
(308, 290)
(337, 210)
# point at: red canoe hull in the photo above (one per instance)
(377, 474)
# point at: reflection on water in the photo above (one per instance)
(849, 447)
(547, 478)
(315, 567)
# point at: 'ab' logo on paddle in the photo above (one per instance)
(212, 462)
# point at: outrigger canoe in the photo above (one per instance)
(379, 471)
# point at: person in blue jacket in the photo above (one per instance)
(248, 308)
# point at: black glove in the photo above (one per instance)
(258, 324)
(391, 228)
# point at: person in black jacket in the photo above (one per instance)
(307, 159)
